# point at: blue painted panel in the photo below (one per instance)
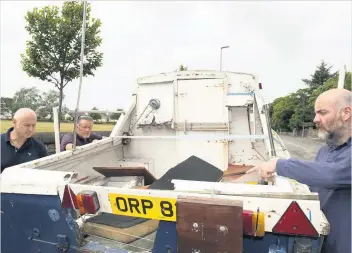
(261, 245)
(166, 238)
(31, 223)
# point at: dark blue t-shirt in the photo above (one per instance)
(68, 139)
(330, 176)
(31, 150)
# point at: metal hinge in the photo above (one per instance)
(62, 243)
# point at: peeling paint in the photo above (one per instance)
(54, 215)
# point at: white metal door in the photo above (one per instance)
(201, 100)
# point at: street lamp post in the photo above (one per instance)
(80, 72)
(221, 55)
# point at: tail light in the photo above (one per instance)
(85, 201)
(69, 199)
(253, 223)
(88, 202)
(295, 222)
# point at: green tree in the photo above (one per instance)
(291, 111)
(6, 106)
(95, 115)
(330, 84)
(50, 99)
(283, 109)
(27, 98)
(182, 68)
(116, 116)
(53, 53)
(302, 109)
(320, 76)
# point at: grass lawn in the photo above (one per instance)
(49, 126)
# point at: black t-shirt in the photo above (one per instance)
(31, 150)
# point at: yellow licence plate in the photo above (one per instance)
(143, 207)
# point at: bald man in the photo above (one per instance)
(330, 173)
(17, 144)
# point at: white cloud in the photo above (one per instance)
(281, 42)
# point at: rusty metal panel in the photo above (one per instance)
(208, 225)
(236, 172)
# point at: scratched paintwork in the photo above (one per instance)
(28, 225)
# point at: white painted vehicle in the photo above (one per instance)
(219, 117)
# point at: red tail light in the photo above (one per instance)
(88, 202)
(69, 199)
(253, 223)
(295, 222)
(260, 86)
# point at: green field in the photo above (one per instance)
(49, 126)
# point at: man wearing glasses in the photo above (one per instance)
(84, 134)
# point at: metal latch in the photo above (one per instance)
(61, 242)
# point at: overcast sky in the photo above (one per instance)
(281, 42)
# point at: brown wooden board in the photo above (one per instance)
(124, 235)
(126, 171)
(209, 225)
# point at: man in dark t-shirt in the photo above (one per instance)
(84, 134)
(17, 144)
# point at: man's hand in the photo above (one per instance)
(69, 146)
(265, 170)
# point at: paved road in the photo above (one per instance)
(299, 148)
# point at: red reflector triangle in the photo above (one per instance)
(67, 199)
(295, 222)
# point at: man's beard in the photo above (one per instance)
(333, 137)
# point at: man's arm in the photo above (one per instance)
(317, 174)
(66, 142)
(42, 150)
(95, 136)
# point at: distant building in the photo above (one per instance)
(105, 115)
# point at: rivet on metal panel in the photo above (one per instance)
(223, 229)
(195, 227)
(54, 215)
(36, 232)
(169, 249)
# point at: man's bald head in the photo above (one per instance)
(24, 122)
(24, 113)
(333, 115)
(338, 97)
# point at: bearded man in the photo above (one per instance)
(330, 173)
